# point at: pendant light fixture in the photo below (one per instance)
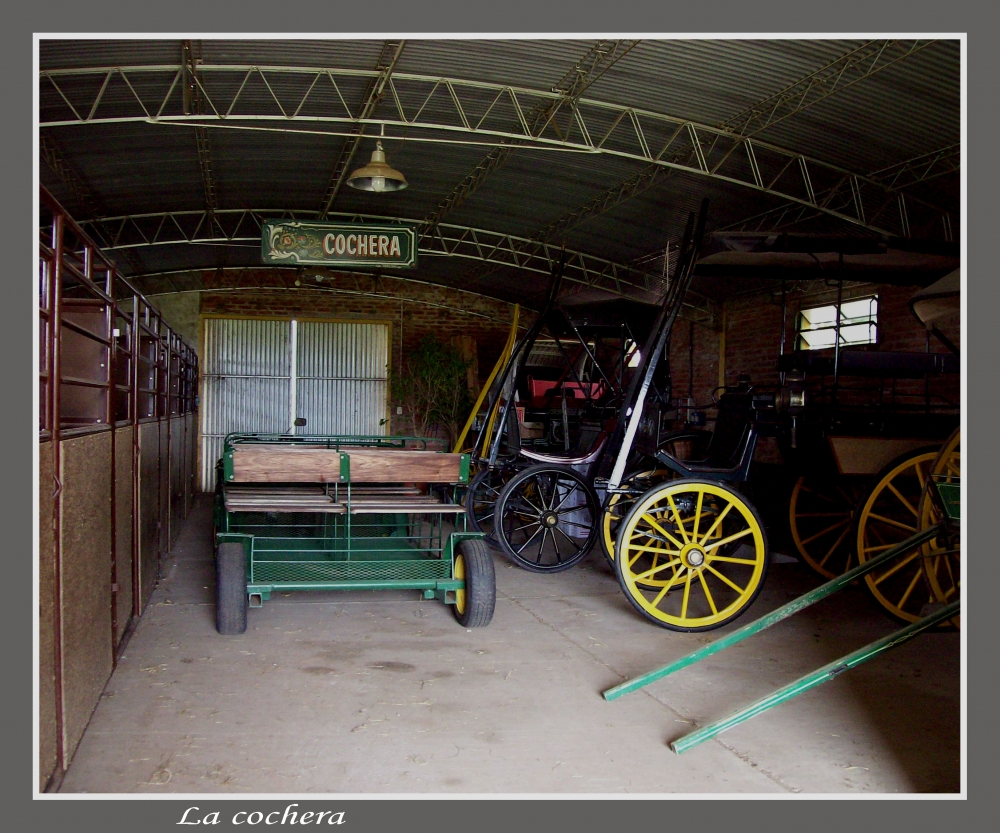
(377, 175)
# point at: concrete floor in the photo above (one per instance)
(381, 692)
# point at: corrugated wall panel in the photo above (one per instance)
(342, 376)
(246, 369)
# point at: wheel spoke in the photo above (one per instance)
(521, 496)
(697, 516)
(909, 589)
(655, 550)
(687, 594)
(891, 522)
(565, 497)
(677, 517)
(572, 543)
(652, 522)
(708, 595)
(740, 590)
(902, 499)
(521, 549)
(895, 568)
(640, 576)
(836, 544)
(734, 537)
(729, 559)
(666, 587)
(718, 521)
(822, 532)
(556, 545)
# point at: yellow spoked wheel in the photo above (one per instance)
(821, 519)
(617, 506)
(692, 555)
(942, 555)
(460, 607)
(889, 516)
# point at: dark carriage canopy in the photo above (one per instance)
(733, 262)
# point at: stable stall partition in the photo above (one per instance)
(116, 471)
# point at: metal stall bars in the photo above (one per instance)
(88, 553)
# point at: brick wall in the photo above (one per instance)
(415, 310)
(753, 335)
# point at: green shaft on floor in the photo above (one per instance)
(773, 617)
(816, 678)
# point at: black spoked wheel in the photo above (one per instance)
(474, 604)
(481, 499)
(231, 589)
(546, 518)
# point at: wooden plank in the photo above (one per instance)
(270, 463)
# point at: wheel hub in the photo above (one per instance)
(549, 519)
(693, 556)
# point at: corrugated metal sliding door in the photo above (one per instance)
(342, 379)
(338, 381)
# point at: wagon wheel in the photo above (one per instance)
(546, 518)
(481, 499)
(475, 602)
(692, 555)
(821, 519)
(942, 555)
(617, 505)
(888, 517)
(682, 445)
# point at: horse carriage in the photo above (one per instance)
(574, 452)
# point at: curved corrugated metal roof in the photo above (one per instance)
(98, 163)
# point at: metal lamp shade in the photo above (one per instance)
(377, 175)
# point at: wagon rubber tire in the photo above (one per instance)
(536, 498)
(231, 590)
(475, 604)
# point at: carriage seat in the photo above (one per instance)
(731, 447)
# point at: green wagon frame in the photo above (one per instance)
(301, 512)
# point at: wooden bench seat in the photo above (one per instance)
(290, 463)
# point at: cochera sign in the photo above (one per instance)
(339, 244)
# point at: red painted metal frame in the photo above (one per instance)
(75, 274)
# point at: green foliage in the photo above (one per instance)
(431, 389)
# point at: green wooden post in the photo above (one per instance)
(773, 617)
(816, 678)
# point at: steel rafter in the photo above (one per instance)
(446, 240)
(846, 71)
(598, 60)
(192, 103)
(838, 75)
(92, 205)
(374, 92)
(916, 217)
(435, 108)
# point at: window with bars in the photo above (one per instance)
(816, 327)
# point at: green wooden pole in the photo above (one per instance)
(774, 616)
(816, 678)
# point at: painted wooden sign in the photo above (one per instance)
(338, 244)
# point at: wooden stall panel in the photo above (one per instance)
(86, 579)
(177, 509)
(275, 464)
(149, 509)
(46, 618)
(164, 487)
(124, 517)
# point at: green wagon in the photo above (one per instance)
(296, 512)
